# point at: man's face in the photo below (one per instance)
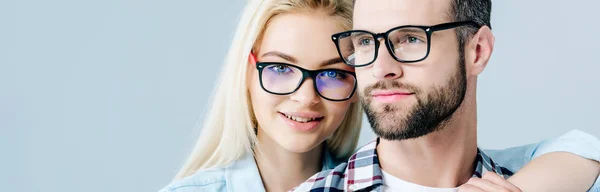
(409, 100)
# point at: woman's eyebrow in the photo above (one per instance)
(332, 61)
(281, 55)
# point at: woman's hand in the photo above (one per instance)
(490, 182)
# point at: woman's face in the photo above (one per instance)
(301, 120)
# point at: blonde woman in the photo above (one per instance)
(286, 107)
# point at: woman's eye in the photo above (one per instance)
(333, 74)
(280, 68)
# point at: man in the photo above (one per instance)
(417, 63)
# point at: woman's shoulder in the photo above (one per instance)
(240, 175)
(203, 180)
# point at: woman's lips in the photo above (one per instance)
(304, 121)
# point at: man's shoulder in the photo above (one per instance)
(360, 166)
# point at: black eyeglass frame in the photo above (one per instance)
(260, 66)
(376, 36)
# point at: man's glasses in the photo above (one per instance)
(282, 79)
(406, 44)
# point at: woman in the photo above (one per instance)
(286, 107)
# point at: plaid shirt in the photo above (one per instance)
(362, 172)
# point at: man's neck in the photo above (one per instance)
(282, 170)
(443, 159)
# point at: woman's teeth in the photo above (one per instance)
(300, 119)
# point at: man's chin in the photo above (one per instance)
(391, 109)
(400, 133)
(390, 133)
(390, 129)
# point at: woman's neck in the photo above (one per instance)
(282, 170)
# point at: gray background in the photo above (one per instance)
(106, 95)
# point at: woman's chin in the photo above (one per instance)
(298, 145)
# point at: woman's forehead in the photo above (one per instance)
(301, 35)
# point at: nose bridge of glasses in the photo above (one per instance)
(306, 91)
(306, 76)
(312, 75)
(380, 36)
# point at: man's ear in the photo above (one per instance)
(479, 50)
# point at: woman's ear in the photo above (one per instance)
(252, 58)
(250, 69)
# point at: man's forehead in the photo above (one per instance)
(381, 15)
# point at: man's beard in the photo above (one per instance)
(427, 116)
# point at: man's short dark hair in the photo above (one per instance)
(478, 11)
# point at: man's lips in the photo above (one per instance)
(390, 96)
(389, 93)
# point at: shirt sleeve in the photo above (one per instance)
(576, 142)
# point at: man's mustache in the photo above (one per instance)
(390, 84)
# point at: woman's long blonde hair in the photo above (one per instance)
(228, 130)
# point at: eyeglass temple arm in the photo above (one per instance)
(454, 24)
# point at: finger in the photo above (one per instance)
(469, 188)
(496, 179)
(486, 185)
